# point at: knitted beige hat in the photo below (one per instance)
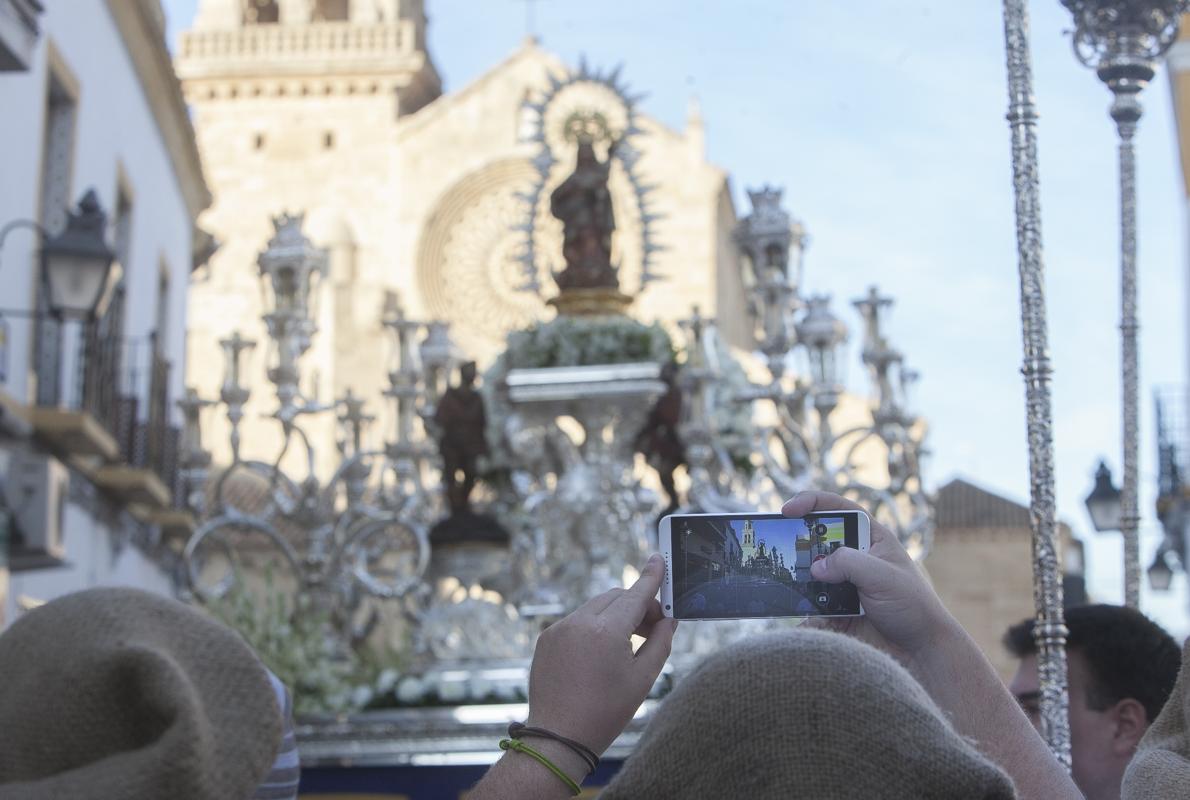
(804, 714)
(117, 693)
(1160, 770)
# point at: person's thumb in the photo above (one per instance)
(848, 564)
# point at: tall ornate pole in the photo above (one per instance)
(1050, 630)
(1122, 40)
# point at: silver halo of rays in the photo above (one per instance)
(611, 84)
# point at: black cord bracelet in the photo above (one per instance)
(516, 730)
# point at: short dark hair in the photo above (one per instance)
(1127, 654)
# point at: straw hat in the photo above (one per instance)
(117, 693)
(804, 714)
(1160, 770)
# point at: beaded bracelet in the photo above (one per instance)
(521, 747)
(518, 730)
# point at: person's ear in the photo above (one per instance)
(1131, 722)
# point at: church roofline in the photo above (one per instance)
(440, 105)
(530, 47)
(962, 505)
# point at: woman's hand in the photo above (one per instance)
(586, 683)
(902, 614)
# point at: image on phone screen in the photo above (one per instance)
(755, 565)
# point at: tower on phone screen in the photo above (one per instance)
(750, 566)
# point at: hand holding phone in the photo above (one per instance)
(902, 614)
(585, 682)
(757, 565)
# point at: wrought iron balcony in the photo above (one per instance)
(76, 410)
(144, 471)
(107, 409)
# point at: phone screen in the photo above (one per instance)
(758, 565)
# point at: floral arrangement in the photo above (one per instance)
(583, 341)
(293, 644)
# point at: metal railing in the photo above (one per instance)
(123, 383)
(93, 361)
(100, 362)
(145, 437)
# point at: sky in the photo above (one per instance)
(884, 123)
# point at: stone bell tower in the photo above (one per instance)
(319, 47)
(748, 545)
(296, 105)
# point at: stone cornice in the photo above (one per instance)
(319, 59)
(325, 48)
(199, 90)
(140, 25)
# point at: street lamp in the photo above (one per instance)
(1122, 41)
(73, 269)
(75, 263)
(1160, 574)
(1103, 503)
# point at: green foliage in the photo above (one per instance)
(585, 341)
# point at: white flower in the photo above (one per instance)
(386, 680)
(452, 691)
(410, 690)
(479, 688)
(361, 696)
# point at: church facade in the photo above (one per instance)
(335, 109)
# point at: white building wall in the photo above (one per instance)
(116, 139)
(96, 555)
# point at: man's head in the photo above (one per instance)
(1121, 667)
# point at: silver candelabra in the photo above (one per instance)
(341, 542)
(794, 443)
(572, 514)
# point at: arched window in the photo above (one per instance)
(261, 12)
(332, 10)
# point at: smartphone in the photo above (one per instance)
(756, 565)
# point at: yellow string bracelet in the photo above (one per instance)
(521, 747)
